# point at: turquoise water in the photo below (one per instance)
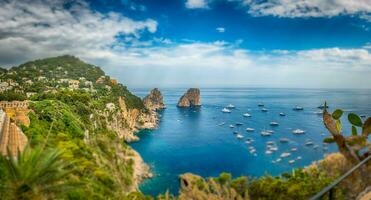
(191, 140)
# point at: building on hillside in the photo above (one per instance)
(4, 86)
(12, 139)
(101, 80)
(114, 81)
(17, 111)
(73, 84)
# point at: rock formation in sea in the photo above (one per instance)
(154, 101)
(190, 98)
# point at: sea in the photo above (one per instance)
(200, 140)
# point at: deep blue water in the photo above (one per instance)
(190, 140)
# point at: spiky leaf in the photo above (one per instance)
(329, 140)
(337, 114)
(355, 119)
(366, 129)
(354, 130)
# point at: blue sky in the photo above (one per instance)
(199, 43)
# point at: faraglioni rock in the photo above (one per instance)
(190, 98)
(154, 101)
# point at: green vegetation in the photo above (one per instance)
(12, 96)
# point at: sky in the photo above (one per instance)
(198, 43)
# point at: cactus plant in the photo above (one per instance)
(349, 146)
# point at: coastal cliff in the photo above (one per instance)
(154, 100)
(190, 98)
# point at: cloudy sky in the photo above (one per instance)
(198, 43)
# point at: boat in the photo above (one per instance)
(272, 148)
(278, 160)
(274, 124)
(285, 154)
(298, 108)
(248, 141)
(221, 124)
(250, 129)
(251, 148)
(246, 115)
(315, 147)
(270, 143)
(231, 126)
(282, 114)
(322, 106)
(239, 124)
(226, 110)
(362, 116)
(284, 140)
(270, 131)
(309, 143)
(265, 133)
(268, 152)
(230, 106)
(298, 158)
(239, 136)
(264, 110)
(260, 104)
(294, 149)
(291, 161)
(298, 131)
(235, 132)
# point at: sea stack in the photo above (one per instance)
(154, 101)
(190, 98)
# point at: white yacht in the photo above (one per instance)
(226, 110)
(294, 149)
(291, 161)
(246, 115)
(231, 126)
(221, 124)
(250, 129)
(298, 131)
(264, 110)
(309, 143)
(230, 106)
(265, 133)
(298, 108)
(298, 158)
(274, 124)
(278, 160)
(239, 136)
(282, 114)
(268, 152)
(285, 154)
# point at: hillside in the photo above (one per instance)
(87, 115)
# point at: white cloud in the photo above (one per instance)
(193, 4)
(37, 28)
(307, 8)
(220, 29)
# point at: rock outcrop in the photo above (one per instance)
(154, 101)
(190, 98)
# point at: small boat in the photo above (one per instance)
(282, 114)
(273, 148)
(250, 129)
(226, 110)
(252, 151)
(231, 126)
(298, 131)
(278, 160)
(284, 140)
(291, 161)
(265, 133)
(294, 149)
(322, 106)
(273, 161)
(264, 110)
(251, 148)
(248, 141)
(270, 131)
(298, 108)
(274, 124)
(309, 143)
(298, 158)
(235, 132)
(221, 124)
(230, 106)
(268, 152)
(270, 143)
(315, 147)
(362, 116)
(239, 136)
(260, 104)
(239, 124)
(246, 115)
(285, 154)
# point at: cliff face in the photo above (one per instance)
(190, 98)
(125, 122)
(154, 101)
